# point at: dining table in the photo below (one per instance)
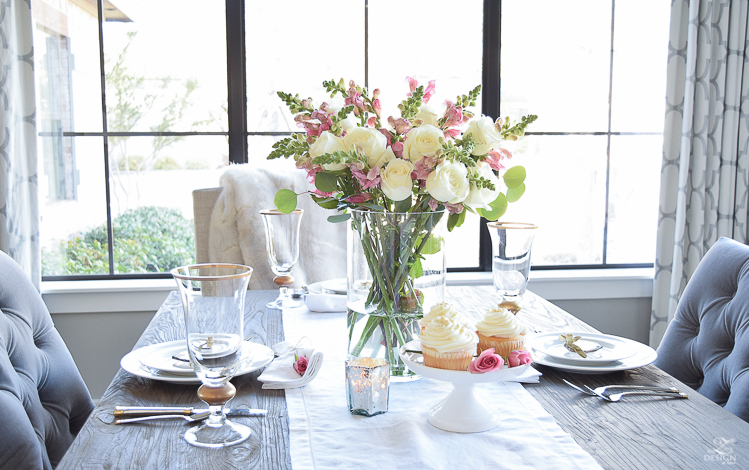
(645, 432)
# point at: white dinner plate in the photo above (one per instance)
(643, 356)
(331, 286)
(254, 356)
(614, 348)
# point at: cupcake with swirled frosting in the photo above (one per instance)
(446, 344)
(445, 309)
(499, 329)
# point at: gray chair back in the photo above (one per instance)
(706, 345)
(43, 399)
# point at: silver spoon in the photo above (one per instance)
(189, 418)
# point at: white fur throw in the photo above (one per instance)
(237, 234)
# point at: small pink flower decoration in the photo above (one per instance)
(486, 362)
(300, 366)
(519, 358)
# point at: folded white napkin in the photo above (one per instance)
(530, 376)
(325, 302)
(281, 374)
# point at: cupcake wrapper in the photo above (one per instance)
(454, 360)
(502, 346)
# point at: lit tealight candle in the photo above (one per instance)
(367, 382)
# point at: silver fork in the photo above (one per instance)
(194, 418)
(614, 397)
(599, 391)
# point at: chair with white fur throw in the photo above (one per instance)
(228, 227)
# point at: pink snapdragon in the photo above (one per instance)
(397, 148)
(454, 208)
(494, 157)
(314, 123)
(453, 114)
(429, 91)
(400, 125)
(423, 168)
(367, 180)
(355, 99)
(433, 203)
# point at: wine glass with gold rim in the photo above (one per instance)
(213, 298)
(282, 247)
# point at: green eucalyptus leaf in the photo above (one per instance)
(433, 245)
(403, 206)
(455, 220)
(285, 200)
(339, 218)
(514, 194)
(326, 202)
(326, 181)
(498, 208)
(416, 269)
(514, 177)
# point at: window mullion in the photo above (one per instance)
(237, 80)
(490, 97)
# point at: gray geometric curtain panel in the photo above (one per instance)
(704, 181)
(19, 205)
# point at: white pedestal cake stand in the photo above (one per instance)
(462, 410)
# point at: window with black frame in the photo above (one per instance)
(138, 104)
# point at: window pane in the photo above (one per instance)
(66, 65)
(151, 181)
(555, 63)
(292, 46)
(73, 206)
(399, 48)
(634, 184)
(565, 196)
(640, 54)
(166, 69)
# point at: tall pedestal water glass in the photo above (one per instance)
(511, 259)
(213, 297)
(282, 247)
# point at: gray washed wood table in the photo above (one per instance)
(642, 433)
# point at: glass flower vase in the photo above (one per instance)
(396, 272)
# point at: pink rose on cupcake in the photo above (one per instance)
(519, 358)
(300, 366)
(486, 362)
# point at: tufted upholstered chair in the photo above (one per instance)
(706, 345)
(43, 399)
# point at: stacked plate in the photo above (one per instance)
(612, 353)
(158, 362)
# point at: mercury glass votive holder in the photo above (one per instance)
(367, 385)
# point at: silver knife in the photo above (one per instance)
(120, 411)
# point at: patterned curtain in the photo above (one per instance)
(704, 177)
(19, 205)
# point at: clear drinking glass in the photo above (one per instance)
(213, 297)
(511, 258)
(282, 246)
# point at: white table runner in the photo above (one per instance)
(324, 435)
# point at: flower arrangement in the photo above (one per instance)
(422, 161)
(397, 177)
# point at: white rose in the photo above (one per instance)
(485, 134)
(396, 180)
(481, 198)
(369, 142)
(427, 116)
(328, 143)
(449, 182)
(422, 141)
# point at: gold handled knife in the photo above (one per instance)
(121, 411)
